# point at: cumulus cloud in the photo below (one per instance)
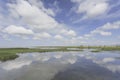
(31, 18)
(91, 8)
(110, 26)
(39, 4)
(43, 35)
(32, 15)
(105, 29)
(101, 32)
(39, 19)
(68, 32)
(59, 37)
(17, 30)
(106, 33)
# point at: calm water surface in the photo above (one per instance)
(63, 66)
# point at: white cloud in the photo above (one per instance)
(50, 12)
(39, 19)
(101, 32)
(32, 15)
(110, 26)
(105, 29)
(56, 7)
(42, 35)
(97, 10)
(40, 5)
(17, 30)
(91, 8)
(70, 33)
(94, 10)
(59, 37)
(106, 33)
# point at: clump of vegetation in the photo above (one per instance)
(8, 57)
(110, 48)
(95, 50)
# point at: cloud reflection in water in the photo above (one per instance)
(44, 66)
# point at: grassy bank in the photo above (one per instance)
(10, 53)
(105, 48)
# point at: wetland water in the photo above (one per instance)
(63, 66)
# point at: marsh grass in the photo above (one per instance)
(95, 50)
(11, 53)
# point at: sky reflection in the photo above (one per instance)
(44, 66)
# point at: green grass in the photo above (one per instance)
(95, 50)
(10, 53)
(105, 48)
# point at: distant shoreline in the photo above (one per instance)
(11, 53)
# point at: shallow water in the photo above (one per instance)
(63, 66)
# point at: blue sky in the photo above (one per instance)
(59, 22)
